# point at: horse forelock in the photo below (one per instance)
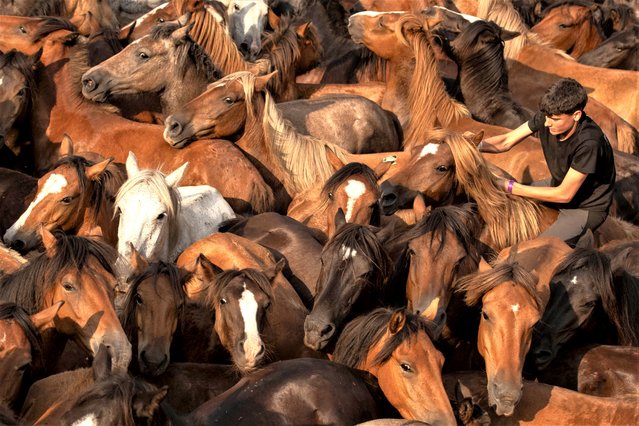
(510, 219)
(361, 334)
(223, 279)
(476, 285)
(29, 285)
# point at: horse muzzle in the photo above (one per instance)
(317, 334)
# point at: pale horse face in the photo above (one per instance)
(144, 224)
(247, 19)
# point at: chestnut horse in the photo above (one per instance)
(574, 26)
(78, 271)
(216, 163)
(513, 295)
(76, 196)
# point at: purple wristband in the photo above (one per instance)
(510, 185)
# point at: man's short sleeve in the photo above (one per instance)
(536, 123)
(585, 158)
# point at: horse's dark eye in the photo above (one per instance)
(236, 7)
(410, 252)
(160, 20)
(267, 305)
(23, 367)
(66, 200)
(21, 93)
(441, 168)
(406, 367)
(618, 49)
(484, 315)
(22, 29)
(222, 301)
(68, 287)
(227, 101)
(161, 216)
(143, 55)
(138, 299)
(330, 195)
(563, 26)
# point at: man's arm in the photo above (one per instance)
(562, 194)
(503, 143)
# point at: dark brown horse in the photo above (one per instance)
(620, 51)
(397, 348)
(78, 271)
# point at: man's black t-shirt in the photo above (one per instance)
(586, 151)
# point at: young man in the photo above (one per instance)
(579, 158)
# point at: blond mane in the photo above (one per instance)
(430, 104)
(510, 219)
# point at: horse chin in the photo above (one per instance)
(315, 342)
(99, 97)
(177, 144)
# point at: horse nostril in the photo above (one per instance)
(388, 199)
(89, 84)
(328, 330)
(244, 47)
(175, 128)
(18, 245)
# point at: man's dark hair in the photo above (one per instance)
(564, 97)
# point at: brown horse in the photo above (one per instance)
(397, 348)
(76, 196)
(353, 188)
(20, 346)
(533, 66)
(60, 101)
(513, 295)
(620, 51)
(543, 404)
(573, 26)
(17, 88)
(78, 271)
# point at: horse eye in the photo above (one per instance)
(138, 299)
(161, 20)
(618, 49)
(236, 7)
(410, 252)
(330, 195)
(161, 216)
(406, 367)
(21, 93)
(66, 200)
(442, 168)
(267, 305)
(484, 315)
(143, 55)
(227, 101)
(68, 287)
(22, 29)
(222, 301)
(563, 26)
(22, 368)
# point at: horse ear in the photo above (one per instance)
(49, 242)
(101, 365)
(138, 263)
(132, 168)
(302, 29)
(475, 138)
(125, 36)
(176, 175)
(420, 209)
(397, 321)
(340, 219)
(181, 33)
(66, 146)
(484, 266)
(35, 58)
(262, 80)
(587, 240)
(45, 316)
(95, 171)
(597, 13)
(333, 159)
(206, 270)
(537, 9)
(146, 404)
(273, 19)
(271, 273)
(506, 35)
(382, 168)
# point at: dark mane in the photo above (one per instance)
(363, 239)
(362, 333)
(480, 283)
(47, 8)
(189, 53)
(14, 312)
(50, 24)
(153, 271)
(29, 285)
(347, 171)
(358, 64)
(23, 64)
(101, 189)
(224, 278)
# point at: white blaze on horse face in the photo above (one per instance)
(347, 252)
(574, 280)
(146, 16)
(430, 148)
(248, 308)
(88, 420)
(354, 189)
(54, 185)
(469, 18)
(515, 308)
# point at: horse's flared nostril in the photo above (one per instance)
(18, 245)
(327, 331)
(89, 84)
(174, 127)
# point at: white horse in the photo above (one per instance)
(246, 21)
(159, 218)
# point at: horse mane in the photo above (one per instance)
(429, 102)
(169, 196)
(627, 298)
(360, 64)
(362, 333)
(223, 279)
(188, 53)
(154, 270)
(362, 238)
(29, 285)
(11, 311)
(504, 14)
(213, 38)
(51, 24)
(23, 64)
(101, 189)
(47, 8)
(476, 285)
(559, 3)
(522, 215)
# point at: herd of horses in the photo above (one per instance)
(275, 212)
